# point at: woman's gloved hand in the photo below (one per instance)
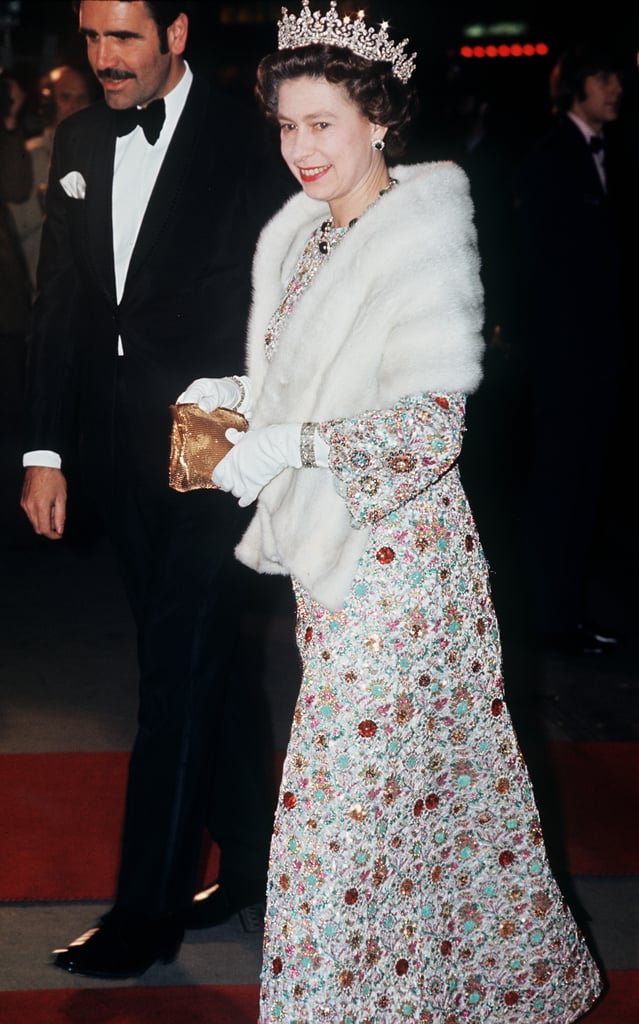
(261, 453)
(256, 457)
(212, 392)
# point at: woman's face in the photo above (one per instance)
(327, 143)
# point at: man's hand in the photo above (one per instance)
(44, 499)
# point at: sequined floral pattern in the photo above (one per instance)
(384, 459)
(408, 880)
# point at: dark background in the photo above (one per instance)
(226, 40)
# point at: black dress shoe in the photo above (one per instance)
(220, 902)
(121, 947)
(583, 639)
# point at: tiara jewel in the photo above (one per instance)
(353, 34)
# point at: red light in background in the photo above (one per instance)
(505, 50)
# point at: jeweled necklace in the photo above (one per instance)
(329, 234)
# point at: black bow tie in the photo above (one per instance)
(597, 143)
(149, 118)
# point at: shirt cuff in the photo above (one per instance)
(42, 458)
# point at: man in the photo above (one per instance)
(144, 284)
(15, 184)
(63, 91)
(15, 292)
(572, 323)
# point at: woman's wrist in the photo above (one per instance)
(307, 445)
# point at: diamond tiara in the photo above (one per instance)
(353, 34)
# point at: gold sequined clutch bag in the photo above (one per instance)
(198, 443)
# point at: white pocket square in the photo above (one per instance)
(74, 185)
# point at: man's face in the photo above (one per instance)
(123, 48)
(70, 93)
(600, 105)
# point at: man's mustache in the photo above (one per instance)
(115, 75)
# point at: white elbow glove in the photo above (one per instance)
(260, 454)
(212, 392)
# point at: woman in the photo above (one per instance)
(408, 880)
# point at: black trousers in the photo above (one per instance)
(202, 759)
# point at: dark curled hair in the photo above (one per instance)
(371, 85)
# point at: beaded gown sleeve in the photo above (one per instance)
(383, 459)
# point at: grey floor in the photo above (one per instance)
(68, 682)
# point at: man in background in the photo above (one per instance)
(15, 291)
(63, 91)
(572, 324)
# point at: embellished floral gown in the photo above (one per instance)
(408, 881)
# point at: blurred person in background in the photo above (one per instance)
(572, 327)
(15, 291)
(62, 91)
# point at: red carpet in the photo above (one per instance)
(229, 1004)
(219, 1004)
(599, 793)
(63, 812)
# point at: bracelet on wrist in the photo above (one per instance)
(242, 390)
(307, 445)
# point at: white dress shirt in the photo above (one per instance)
(135, 169)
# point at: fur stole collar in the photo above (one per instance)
(396, 310)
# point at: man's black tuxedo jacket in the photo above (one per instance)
(570, 258)
(185, 302)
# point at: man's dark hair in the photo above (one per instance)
(163, 12)
(574, 66)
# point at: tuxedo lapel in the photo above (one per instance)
(99, 221)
